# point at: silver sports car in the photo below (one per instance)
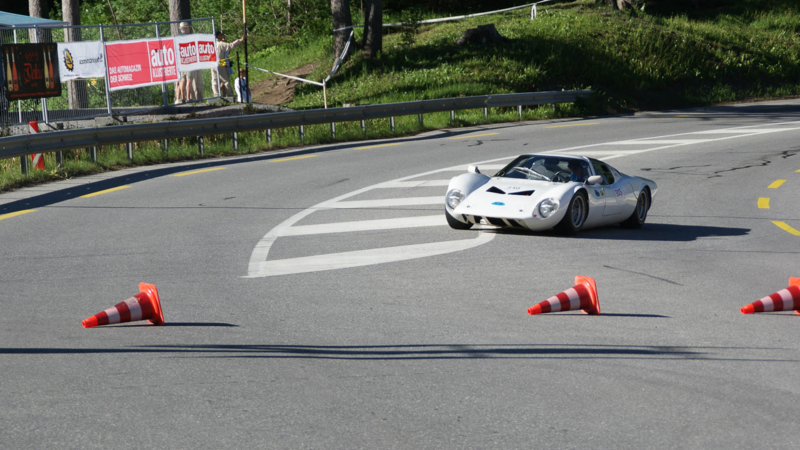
(539, 192)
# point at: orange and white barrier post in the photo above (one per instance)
(37, 158)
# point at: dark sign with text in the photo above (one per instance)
(31, 71)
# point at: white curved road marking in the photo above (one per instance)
(260, 266)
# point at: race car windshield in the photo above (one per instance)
(548, 168)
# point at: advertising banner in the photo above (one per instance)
(195, 51)
(139, 63)
(81, 60)
(31, 71)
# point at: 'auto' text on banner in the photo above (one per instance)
(143, 62)
(195, 51)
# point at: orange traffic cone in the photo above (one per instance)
(784, 300)
(582, 296)
(143, 306)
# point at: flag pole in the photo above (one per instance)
(245, 97)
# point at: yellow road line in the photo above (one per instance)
(575, 125)
(785, 227)
(776, 184)
(474, 135)
(763, 203)
(376, 146)
(15, 214)
(93, 194)
(197, 171)
(292, 159)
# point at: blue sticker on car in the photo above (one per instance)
(596, 193)
(499, 203)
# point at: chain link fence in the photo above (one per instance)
(85, 99)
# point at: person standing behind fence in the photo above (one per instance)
(225, 70)
(241, 88)
(184, 83)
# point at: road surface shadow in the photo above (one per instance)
(420, 352)
(649, 232)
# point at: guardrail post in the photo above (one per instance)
(92, 154)
(269, 137)
(333, 131)
(129, 149)
(452, 116)
(519, 111)
(23, 165)
(302, 133)
(421, 122)
(60, 159)
(201, 146)
(391, 123)
(236, 142)
(165, 145)
(364, 126)
(485, 113)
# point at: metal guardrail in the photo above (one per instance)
(15, 146)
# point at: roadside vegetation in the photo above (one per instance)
(666, 55)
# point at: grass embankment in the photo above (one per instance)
(633, 62)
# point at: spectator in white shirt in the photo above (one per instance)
(241, 87)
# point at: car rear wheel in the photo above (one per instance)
(636, 220)
(455, 223)
(577, 211)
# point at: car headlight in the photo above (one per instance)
(547, 207)
(453, 198)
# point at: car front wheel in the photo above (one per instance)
(455, 223)
(577, 211)
(636, 220)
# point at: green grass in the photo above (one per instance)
(667, 57)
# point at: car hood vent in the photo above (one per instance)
(525, 193)
(495, 190)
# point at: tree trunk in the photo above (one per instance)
(340, 9)
(373, 32)
(76, 89)
(178, 10)
(37, 8)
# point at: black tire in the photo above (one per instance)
(577, 212)
(456, 224)
(639, 215)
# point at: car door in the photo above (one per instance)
(613, 188)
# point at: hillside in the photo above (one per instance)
(648, 60)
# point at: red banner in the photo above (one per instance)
(146, 62)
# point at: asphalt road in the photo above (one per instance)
(314, 301)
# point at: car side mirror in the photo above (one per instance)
(594, 179)
(473, 169)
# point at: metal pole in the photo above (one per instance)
(364, 126)
(108, 86)
(391, 123)
(246, 69)
(519, 111)
(200, 146)
(485, 113)
(163, 83)
(269, 136)
(23, 165)
(452, 116)
(421, 121)
(236, 142)
(214, 30)
(302, 134)
(129, 150)
(93, 154)
(19, 110)
(324, 95)
(333, 131)
(42, 100)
